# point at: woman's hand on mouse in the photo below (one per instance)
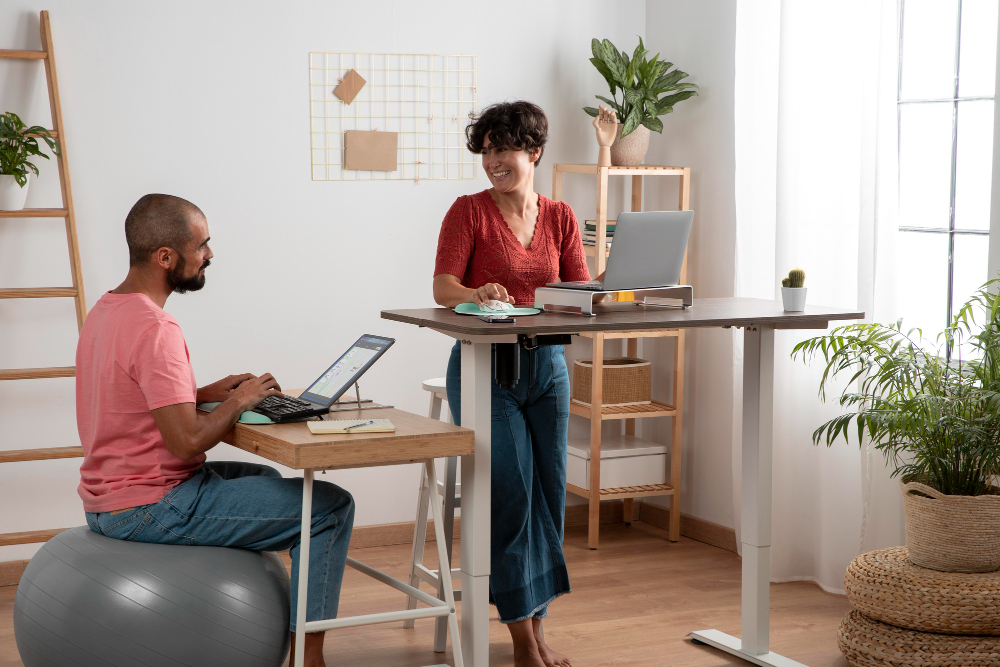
(491, 291)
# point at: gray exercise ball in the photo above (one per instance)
(91, 601)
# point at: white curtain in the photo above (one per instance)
(815, 189)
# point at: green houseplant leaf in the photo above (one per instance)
(638, 85)
(18, 143)
(935, 418)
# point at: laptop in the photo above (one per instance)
(328, 387)
(648, 251)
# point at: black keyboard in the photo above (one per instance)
(285, 407)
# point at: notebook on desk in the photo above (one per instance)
(352, 426)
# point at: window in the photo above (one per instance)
(946, 80)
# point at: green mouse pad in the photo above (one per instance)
(473, 309)
(247, 417)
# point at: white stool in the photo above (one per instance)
(450, 491)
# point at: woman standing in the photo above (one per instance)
(501, 244)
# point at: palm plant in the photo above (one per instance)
(18, 143)
(641, 81)
(935, 418)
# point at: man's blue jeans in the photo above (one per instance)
(251, 506)
(528, 499)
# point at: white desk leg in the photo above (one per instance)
(755, 522)
(300, 608)
(477, 381)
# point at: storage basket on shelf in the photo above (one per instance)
(951, 533)
(624, 381)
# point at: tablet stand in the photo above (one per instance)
(340, 405)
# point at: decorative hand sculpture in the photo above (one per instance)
(606, 124)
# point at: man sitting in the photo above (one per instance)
(144, 476)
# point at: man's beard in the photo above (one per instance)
(180, 284)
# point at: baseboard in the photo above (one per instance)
(612, 511)
(385, 534)
(11, 571)
(362, 537)
(691, 527)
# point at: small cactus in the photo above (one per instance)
(796, 278)
(786, 282)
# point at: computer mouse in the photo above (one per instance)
(493, 305)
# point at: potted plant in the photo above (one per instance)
(17, 144)
(793, 292)
(648, 90)
(935, 417)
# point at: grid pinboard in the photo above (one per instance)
(425, 98)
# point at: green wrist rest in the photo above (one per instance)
(247, 417)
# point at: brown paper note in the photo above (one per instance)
(349, 87)
(374, 151)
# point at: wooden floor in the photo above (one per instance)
(633, 602)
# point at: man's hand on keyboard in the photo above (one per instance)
(223, 389)
(252, 391)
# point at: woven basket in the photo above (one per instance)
(624, 381)
(886, 586)
(869, 643)
(951, 533)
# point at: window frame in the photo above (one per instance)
(994, 231)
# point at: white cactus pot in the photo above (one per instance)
(794, 298)
(12, 195)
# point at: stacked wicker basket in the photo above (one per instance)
(910, 616)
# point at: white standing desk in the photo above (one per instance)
(758, 318)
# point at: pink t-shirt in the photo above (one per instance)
(131, 359)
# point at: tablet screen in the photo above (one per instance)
(345, 371)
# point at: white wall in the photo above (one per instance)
(209, 101)
(699, 38)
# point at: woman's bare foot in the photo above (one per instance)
(549, 657)
(525, 648)
(528, 657)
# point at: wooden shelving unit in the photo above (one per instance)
(598, 413)
(75, 292)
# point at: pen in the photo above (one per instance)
(370, 421)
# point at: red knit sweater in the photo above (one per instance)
(478, 247)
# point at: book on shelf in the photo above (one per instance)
(594, 243)
(593, 235)
(591, 225)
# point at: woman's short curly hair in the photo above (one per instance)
(516, 125)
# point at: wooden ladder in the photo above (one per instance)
(76, 291)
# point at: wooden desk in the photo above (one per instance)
(758, 318)
(293, 445)
(416, 439)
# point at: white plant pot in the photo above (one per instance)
(12, 195)
(794, 298)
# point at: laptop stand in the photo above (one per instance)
(564, 300)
